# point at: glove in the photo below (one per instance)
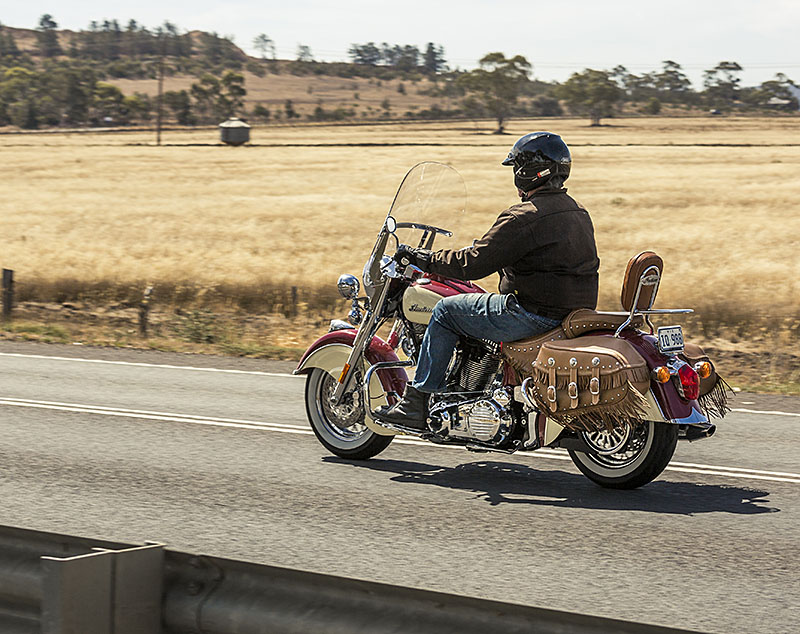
(405, 255)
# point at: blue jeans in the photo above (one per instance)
(478, 315)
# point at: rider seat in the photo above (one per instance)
(520, 354)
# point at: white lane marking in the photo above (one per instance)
(719, 468)
(766, 412)
(103, 409)
(199, 420)
(556, 454)
(148, 365)
(742, 474)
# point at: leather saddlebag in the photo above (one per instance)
(714, 390)
(590, 383)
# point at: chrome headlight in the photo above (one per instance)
(348, 286)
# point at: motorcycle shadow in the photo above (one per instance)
(511, 483)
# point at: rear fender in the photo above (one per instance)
(330, 352)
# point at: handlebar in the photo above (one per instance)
(418, 225)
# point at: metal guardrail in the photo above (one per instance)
(58, 584)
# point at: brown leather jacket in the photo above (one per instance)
(544, 250)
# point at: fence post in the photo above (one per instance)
(8, 293)
(294, 301)
(144, 311)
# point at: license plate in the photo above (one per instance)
(670, 339)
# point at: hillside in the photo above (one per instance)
(365, 97)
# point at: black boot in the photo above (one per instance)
(411, 411)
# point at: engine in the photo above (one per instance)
(486, 420)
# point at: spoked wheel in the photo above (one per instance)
(340, 428)
(625, 457)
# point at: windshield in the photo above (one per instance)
(431, 194)
(431, 197)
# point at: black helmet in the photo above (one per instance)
(538, 157)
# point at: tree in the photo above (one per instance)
(722, 84)
(368, 54)
(18, 94)
(406, 57)
(672, 84)
(47, 36)
(544, 106)
(635, 87)
(775, 94)
(592, 92)
(260, 111)
(219, 97)
(291, 113)
(181, 105)
(433, 59)
(304, 53)
(77, 95)
(108, 103)
(653, 106)
(263, 44)
(138, 106)
(496, 84)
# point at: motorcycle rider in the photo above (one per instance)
(545, 253)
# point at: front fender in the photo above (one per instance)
(331, 351)
(393, 380)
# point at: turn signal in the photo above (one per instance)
(661, 374)
(703, 369)
(690, 382)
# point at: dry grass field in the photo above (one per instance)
(97, 217)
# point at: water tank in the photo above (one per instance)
(234, 131)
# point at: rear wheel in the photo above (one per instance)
(626, 458)
(340, 428)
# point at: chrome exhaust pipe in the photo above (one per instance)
(698, 432)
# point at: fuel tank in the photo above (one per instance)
(423, 294)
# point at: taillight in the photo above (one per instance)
(690, 382)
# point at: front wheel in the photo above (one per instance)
(340, 428)
(627, 458)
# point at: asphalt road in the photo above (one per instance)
(218, 458)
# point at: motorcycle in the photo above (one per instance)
(608, 387)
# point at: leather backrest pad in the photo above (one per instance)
(637, 265)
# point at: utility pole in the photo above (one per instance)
(160, 88)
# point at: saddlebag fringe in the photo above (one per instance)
(630, 410)
(715, 401)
